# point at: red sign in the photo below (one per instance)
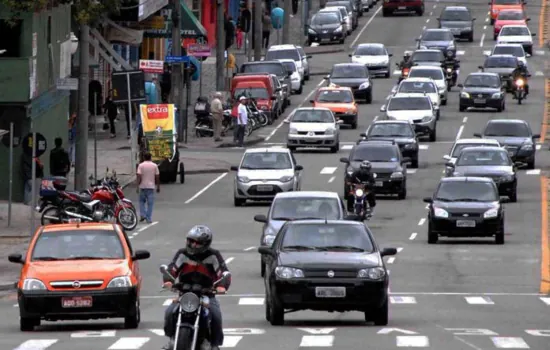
(199, 50)
(157, 111)
(151, 66)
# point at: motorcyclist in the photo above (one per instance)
(521, 72)
(364, 176)
(406, 62)
(451, 62)
(190, 265)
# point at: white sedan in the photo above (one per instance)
(420, 85)
(434, 73)
(517, 34)
(296, 79)
(375, 57)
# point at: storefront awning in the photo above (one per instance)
(191, 27)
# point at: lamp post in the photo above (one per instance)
(73, 97)
(74, 43)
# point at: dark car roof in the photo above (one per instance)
(466, 179)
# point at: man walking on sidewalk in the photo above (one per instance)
(148, 178)
(242, 120)
(216, 107)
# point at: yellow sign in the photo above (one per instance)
(160, 149)
(157, 118)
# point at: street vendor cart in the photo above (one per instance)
(159, 137)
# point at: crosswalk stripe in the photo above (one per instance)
(328, 170)
(412, 341)
(479, 300)
(36, 344)
(231, 341)
(129, 343)
(411, 171)
(317, 341)
(509, 343)
(345, 147)
(545, 300)
(403, 300)
(251, 301)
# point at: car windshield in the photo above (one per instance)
(428, 57)
(305, 208)
(516, 51)
(312, 116)
(325, 18)
(435, 74)
(290, 66)
(349, 71)
(483, 157)
(335, 96)
(327, 237)
(500, 62)
(466, 191)
(255, 93)
(506, 2)
(510, 15)
(82, 244)
(391, 130)
(266, 161)
(409, 104)
(511, 31)
(282, 54)
(270, 68)
(370, 50)
(437, 35)
(454, 15)
(459, 147)
(340, 3)
(507, 129)
(417, 87)
(376, 154)
(488, 81)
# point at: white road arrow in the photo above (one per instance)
(318, 330)
(390, 330)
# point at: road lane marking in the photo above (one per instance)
(391, 260)
(509, 343)
(251, 301)
(229, 260)
(147, 226)
(545, 248)
(400, 249)
(464, 120)
(431, 13)
(36, 344)
(346, 147)
(129, 343)
(487, 19)
(486, 52)
(317, 341)
(479, 301)
(460, 131)
(365, 27)
(539, 74)
(411, 171)
(331, 179)
(402, 300)
(460, 53)
(413, 236)
(328, 170)
(421, 222)
(428, 20)
(538, 147)
(467, 343)
(412, 341)
(423, 147)
(482, 40)
(205, 188)
(94, 334)
(231, 341)
(545, 300)
(248, 249)
(533, 172)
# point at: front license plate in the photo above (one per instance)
(402, 8)
(73, 302)
(479, 100)
(324, 40)
(379, 184)
(265, 188)
(465, 223)
(330, 292)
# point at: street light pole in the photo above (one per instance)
(81, 142)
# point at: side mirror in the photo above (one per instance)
(527, 19)
(450, 164)
(428, 200)
(447, 157)
(16, 258)
(390, 55)
(460, 85)
(234, 168)
(265, 251)
(141, 255)
(339, 121)
(536, 136)
(260, 218)
(476, 134)
(383, 109)
(298, 168)
(363, 134)
(344, 160)
(311, 101)
(388, 251)
(504, 200)
(309, 56)
(273, 98)
(533, 34)
(406, 160)
(354, 217)
(327, 77)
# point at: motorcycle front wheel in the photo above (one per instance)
(127, 218)
(51, 216)
(185, 339)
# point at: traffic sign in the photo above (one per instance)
(41, 145)
(67, 84)
(176, 59)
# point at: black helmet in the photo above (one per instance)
(366, 165)
(201, 235)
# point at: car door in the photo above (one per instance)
(304, 58)
(297, 173)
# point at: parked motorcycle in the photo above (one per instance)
(192, 322)
(519, 91)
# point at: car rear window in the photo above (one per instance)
(282, 54)
(271, 68)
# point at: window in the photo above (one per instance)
(10, 40)
(282, 54)
(410, 104)
(376, 154)
(481, 157)
(312, 116)
(349, 71)
(305, 207)
(417, 87)
(507, 129)
(252, 92)
(371, 50)
(456, 191)
(335, 96)
(435, 74)
(266, 161)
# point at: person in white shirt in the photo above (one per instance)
(242, 120)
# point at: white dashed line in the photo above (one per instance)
(400, 249)
(206, 188)
(391, 260)
(509, 343)
(479, 300)
(486, 19)
(539, 74)
(146, 227)
(459, 133)
(228, 260)
(484, 27)
(421, 222)
(346, 147)
(533, 172)
(423, 147)
(413, 236)
(538, 147)
(460, 53)
(248, 249)
(328, 170)
(464, 120)
(428, 20)
(331, 179)
(412, 341)
(411, 171)
(482, 40)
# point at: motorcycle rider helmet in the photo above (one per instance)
(521, 64)
(365, 165)
(407, 55)
(198, 239)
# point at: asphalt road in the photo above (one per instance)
(457, 295)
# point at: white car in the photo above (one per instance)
(420, 85)
(296, 53)
(345, 16)
(313, 127)
(415, 108)
(434, 73)
(511, 49)
(460, 144)
(517, 34)
(296, 79)
(375, 57)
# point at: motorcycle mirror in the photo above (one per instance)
(226, 274)
(163, 268)
(91, 177)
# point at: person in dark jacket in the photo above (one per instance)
(26, 174)
(112, 111)
(363, 176)
(60, 163)
(229, 32)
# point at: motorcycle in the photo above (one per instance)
(192, 323)
(360, 204)
(449, 78)
(79, 206)
(519, 91)
(404, 73)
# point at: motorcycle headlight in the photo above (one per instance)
(427, 119)
(449, 70)
(311, 31)
(288, 272)
(189, 302)
(520, 82)
(287, 178)
(491, 213)
(365, 85)
(268, 240)
(243, 179)
(359, 192)
(374, 273)
(440, 213)
(292, 131)
(120, 282)
(338, 30)
(527, 147)
(464, 95)
(496, 95)
(396, 175)
(33, 284)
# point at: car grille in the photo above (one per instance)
(481, 95)
(382, 175)
(323, 273)
(253, 191)
(496, 178)
(76, 284)
(310, 132)
(465, 215)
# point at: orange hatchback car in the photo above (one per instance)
(79, 272)
(501, 5)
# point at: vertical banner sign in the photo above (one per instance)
(159, 129)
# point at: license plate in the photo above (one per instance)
(265, 188)
(324, 40)
(379, 184)
(402, 8)
(76, 302)
(330, 292)
(479, 100)
(465, 223)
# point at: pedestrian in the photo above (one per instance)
(229, 32)
(239, 37)
(60, 164)
(148, 178)
(26, 174)
(266, 29)
(112, 111)
(242, 120)
(216, 108)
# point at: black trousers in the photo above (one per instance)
(265, 38)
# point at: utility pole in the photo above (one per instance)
(81, 142)
(220, 46)
(177, 72)
(287, 7)
(257, 30)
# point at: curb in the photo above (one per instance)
(7, 286)
(249, 142)
(207, 171)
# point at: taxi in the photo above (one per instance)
(502, 5)
(509, 17)
(79, 271)
(340, 101)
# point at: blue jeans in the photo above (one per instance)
(146, 195)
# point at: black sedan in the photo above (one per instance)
(437, 38)
(492, 162)
(355, 76)
(482, 90)
(326, 266)
(428, 57)
(466, 207)
(459, 20)
(326, 28)
(515, 136)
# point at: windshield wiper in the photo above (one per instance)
(380, 160)
(343, 247)
(299, 247)
(46, 258)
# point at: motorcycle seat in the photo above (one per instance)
(84, 197)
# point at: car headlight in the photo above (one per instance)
(496, 95)
(373, 273)
(440, 213)
(410, 146)
(338, 30)
(365, 85)
(311, 31)
(287, 178)
(527, 147)
(288, 272)
(396, 175)
(330, 131)
(465, 95)
(491, 213)
(268, 240)
(292, 131)
(507, 178)
(243, 179)
(120, 282)
(33, 284)
(189, 302)
(427, 119)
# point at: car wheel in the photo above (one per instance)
(291, 148)
(514, 196)
(27, 324)
(471, 37)
(461, 108)
(492, 21)
(495, 36)
(239, 202)
(132, 321)
(380, 317)
(368, 98)
(433, 135)
(403, 193)
(531, 165)
(335, 149)
(299, 91)
(444, 102)
(499, 235)
(386, 13)
(354, 125)
(274, 312)
(432, 236)
(414, 163)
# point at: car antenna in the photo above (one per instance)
(326, 219)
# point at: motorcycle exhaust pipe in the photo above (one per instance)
(78, 216)
(203, 128)
(49, 217)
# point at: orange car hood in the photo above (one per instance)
(335, 107)
(48, 271)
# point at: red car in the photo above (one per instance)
(509, 17)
